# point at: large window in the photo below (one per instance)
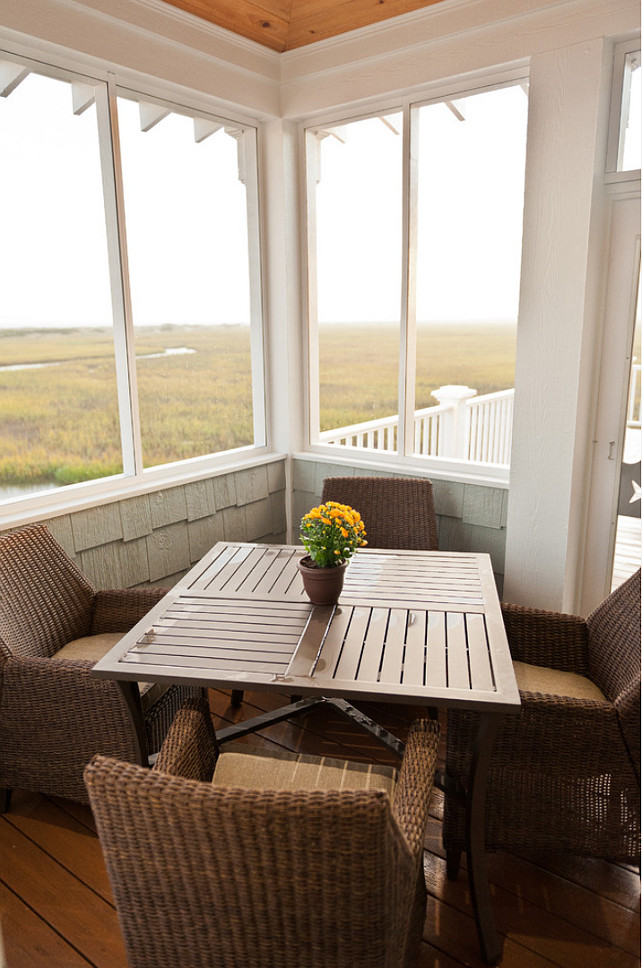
(415, 222)
(130, 325)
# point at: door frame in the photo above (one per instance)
(618, 326)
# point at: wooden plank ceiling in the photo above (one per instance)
(287, 24)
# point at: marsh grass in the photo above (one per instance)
(359, 366)
(59, 424)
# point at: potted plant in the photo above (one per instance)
(330, 533)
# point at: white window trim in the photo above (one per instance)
(616, 134)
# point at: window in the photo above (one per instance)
(625, 144)
(58, 391)
(130, 319)
(187, 240)
(629, 154)
(414, 266)
(356, 253)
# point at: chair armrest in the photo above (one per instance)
(410, 805)
(118, 610)
(190, 748)
(547, 638)
(56, 704)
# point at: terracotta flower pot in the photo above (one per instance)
(322, 585)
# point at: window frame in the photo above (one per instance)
(616, 132)
(135, 479)
(403, 459)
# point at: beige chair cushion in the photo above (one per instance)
(94, 647)
(552, 682)
(243, 766)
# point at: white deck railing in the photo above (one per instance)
(462, 425)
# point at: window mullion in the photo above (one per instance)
(247, 144)
(119, 277)
(408, 332)
(312, 174)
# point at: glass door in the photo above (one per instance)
(612, 549)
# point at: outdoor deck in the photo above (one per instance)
(56, 907)
(628, 549)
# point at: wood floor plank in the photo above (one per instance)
(75, 912)
(610, 922)
(29, 942)
(79, 811)
(455, 936)
(582, 907)
(542, 932)
(67, 841)
(613, 881)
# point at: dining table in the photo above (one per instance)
(416, 627)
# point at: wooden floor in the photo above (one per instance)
(627, 549)
(56, 908)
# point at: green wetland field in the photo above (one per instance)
(58, 390)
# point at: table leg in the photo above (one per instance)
(131, 696)
(489, 940)
(302, 706)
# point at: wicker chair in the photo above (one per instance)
(565, 770)
(53, 627)
(413, 525)
(264, 868)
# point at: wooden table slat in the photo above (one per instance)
(221, 567)
(478, 653)
(415, 657)
(374, 645)
(341, 622)
(353, 645)
(458, 673)
(436, 659)
(210, 665)
(391, 670)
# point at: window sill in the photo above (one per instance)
(436, 468)
(17, 512)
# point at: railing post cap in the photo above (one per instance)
(453, 392)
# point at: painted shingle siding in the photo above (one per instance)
(157, 537)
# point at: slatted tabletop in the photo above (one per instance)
(409, 626)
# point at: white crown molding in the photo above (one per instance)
(451, 40)
(184, 29)
(234, 43)
(431, 25)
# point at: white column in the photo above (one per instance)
(557, 339)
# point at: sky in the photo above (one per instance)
(186, 225)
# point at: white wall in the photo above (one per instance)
(567, 45)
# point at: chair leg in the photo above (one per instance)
(453, 860)
(5, 800)
(237, 697)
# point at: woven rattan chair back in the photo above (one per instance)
(398, 512)
(614, 657)
(228, 877)
(45, 601)
(210, 876)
